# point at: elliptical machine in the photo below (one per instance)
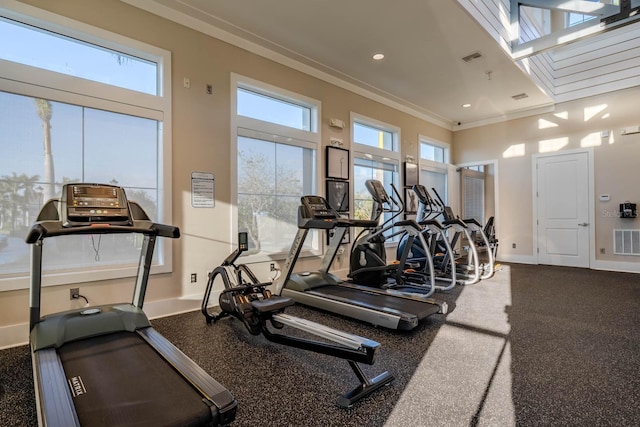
(435, 234)
(368, 261)
(247, 299)
(473, 232)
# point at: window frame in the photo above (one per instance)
(369, 152)
(241, 125)
(40, 83)
(431, 142)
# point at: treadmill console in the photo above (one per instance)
(87, 204)
(317, 207)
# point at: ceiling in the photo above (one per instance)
(423, 41)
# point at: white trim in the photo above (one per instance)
(591, 201)
(394, 155)
(14, 335)
(534, 111)
(518, 259)
(18, 334)
(173, 306)
(496, 190)
(435, 143)
(621, 266)
(155, 8)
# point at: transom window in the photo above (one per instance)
(276, 135)
(273, 110)
(50, 51)
(104, 122)
(373, 136)
(433, 151)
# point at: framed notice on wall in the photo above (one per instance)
(337, 163)
(338, 195)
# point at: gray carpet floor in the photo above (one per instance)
(533, 346)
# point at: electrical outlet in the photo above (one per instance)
(272, 267)
(513, 245)
(194, 277)
(74, 293)
(602, 250)
(186, 82)
(209, 89)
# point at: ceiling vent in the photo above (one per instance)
(472, 57)
(520, 96)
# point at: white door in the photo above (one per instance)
(563, 209)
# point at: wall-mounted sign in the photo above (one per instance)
(202, 190)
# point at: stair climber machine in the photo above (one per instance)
(474, 269)
(368, 265)
(435, 236)
(106, 365)
(324, 290)
(247, 299)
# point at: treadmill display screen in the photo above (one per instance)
(318, 207)
(95, 203)
(104, 197)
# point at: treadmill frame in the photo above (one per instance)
(54, 401)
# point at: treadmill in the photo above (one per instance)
(322, 289)
(106, 365)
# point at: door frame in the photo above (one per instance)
(591, 199)
(496, 188)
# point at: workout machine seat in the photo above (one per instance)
(272, 305)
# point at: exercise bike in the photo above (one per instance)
(247, 299)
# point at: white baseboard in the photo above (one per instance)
(519, 259)
(16, 335)
(620, 266)
(172, 306)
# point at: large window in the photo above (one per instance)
(375, 156)
(434, 159)
(435, 178)
(276, 136)
(78, 104)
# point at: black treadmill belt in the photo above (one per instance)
(119, 380)
(376, 301)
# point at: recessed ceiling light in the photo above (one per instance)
(378, 56)
(466, 105)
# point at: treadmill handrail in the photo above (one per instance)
(46, 229)
(352, 222)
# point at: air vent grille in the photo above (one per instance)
(626, 242)
(520, 96)
(472, 57)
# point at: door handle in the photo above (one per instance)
(583, 224)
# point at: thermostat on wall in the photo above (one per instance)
(604, 198)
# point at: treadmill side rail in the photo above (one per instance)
(223, 403)
(54, 403)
